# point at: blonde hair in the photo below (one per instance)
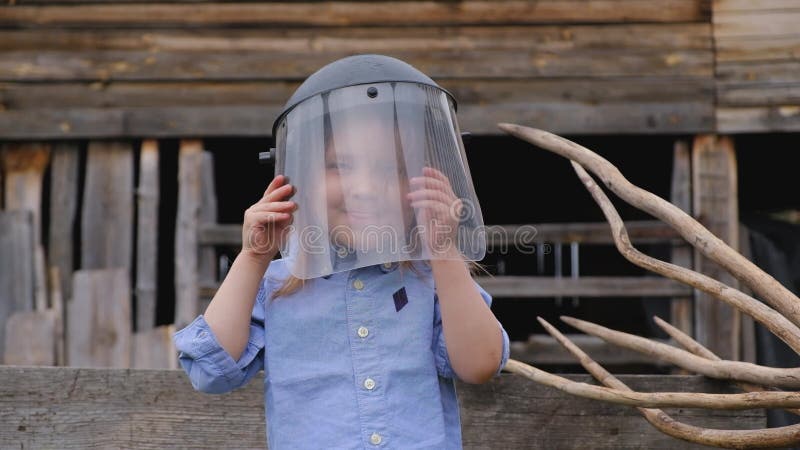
(292, 284)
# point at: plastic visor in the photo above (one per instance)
(381, 176)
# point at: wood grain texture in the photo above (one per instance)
(31, 338)
(99, 324)
(190, 192)
(63, 211)
(147, 199)
(154, 348)
(107, 214)
(154, 409)
(37, 13)
(17, 264)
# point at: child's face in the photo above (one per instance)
(365, 186)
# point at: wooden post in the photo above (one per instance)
(16, 267)
(147, 236)
(24, 165)
(154, 349)
(107, 216)
(63, 207)
(715, 205)
(99, 319)
(207, 263)
(190, 165)
(681, 196)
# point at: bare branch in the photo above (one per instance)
(697, 235)
(764, 438)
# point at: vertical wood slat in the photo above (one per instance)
(31, 339)
(24, 165)
(99, 319)
(59, 311)
(681, 196)
(107, 216)
(207, 263)
(147, 236)
(63, 207)
(154, 349)
(715, 205)
(190, 164)
(16, 266)
(749, 350)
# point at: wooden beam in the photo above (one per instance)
(190, 191)
(63, 209)
(99, 319)
(509, 52)
(147, 236)
(16, 267)
(642, 232)
(107, 216)
(527, 286)
(99, 407)
(542, 349)
(715, 205)
(681, 314)
(38, 13)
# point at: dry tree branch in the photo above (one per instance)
(695, 347)
(775, 294)
(764, 438)
(725, 370)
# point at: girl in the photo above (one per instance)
(360, 333)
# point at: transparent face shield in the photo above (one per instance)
(380, 175)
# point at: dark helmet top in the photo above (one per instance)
(355, 70)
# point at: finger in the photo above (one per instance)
(274, 184)
(431, 194)
(274, 206)
(430, 171)
(280, 193)
(434, 183)
(264, 218)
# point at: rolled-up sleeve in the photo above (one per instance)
(443, 366)
(210, 368)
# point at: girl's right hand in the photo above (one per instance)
(266, 222)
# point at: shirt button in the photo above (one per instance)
(375, 438)
(387, 265)
(363, 331)
(358, 284)
(369, 383)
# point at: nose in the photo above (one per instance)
(364, 185)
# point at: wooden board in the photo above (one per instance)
(155, 409)
(544, 350)
(529, 286)
(147, 195)
(31, 338)
(352, 13)
(154, 348)
(681, 309)
(99, 319)
(17, 266)
(63, 211)
(715, 205)
(107, 215)
(190, 192)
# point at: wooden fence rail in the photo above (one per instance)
(78, 408)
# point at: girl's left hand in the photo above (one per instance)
(438, 210)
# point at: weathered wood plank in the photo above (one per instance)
(458, 52)
(207, 256)
(63, 206)
(153, 348)
(107, 215)
(17, 263)
(154, 409)
(31, 339)
(715, 205)
(752, 5)
(643, 232)
(638, 105)
(58, 308)
(681, 315)
(310, 13)
(762, 22)
(99, 319)
(147, 195)
(527, 286)
(190, 192)
(763, 119)
(544, 350)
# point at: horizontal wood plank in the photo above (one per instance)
(759, 119)
(154, 409)
(544, 350)
(77, 13)
(682, 50)
(536, 287)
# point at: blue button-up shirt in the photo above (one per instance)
(356, 360)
